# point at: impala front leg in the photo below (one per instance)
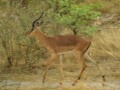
(52, 58)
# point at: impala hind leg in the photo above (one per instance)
(101, 74)
(52, 58)
(89, 57)
(82, 69)
(61, 68)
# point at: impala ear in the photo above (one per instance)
(41, 22)
(37, 24)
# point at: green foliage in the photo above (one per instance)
(77, 15)
(88, 30)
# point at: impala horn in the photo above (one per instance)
(35, 21)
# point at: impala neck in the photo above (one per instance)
(40, 36)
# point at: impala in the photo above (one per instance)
(60, 44)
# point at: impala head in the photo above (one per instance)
(35, 25)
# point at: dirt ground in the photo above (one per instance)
(91, 79)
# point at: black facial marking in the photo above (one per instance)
(36, 23)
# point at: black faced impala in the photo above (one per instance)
(60, 44)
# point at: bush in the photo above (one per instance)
(78, 16)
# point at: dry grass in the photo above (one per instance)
(109, 6)
(106, 44)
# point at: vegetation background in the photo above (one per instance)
(25, 57)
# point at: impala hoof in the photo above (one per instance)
(43, 81)
(73, 84)
(61, 83)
